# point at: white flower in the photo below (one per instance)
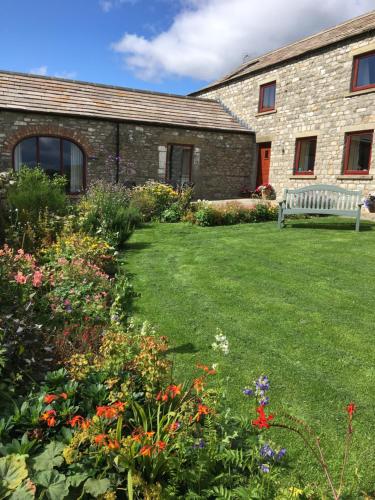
(221, 343)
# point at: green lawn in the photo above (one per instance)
(297, 305)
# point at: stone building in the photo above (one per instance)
(312, 106)
(87, 132)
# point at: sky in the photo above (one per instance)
(174, 46)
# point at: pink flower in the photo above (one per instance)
(37, 279)
(20, 278)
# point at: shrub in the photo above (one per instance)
(206, 214)
(34, 192)
(105, 211)
(37, 204)
(153, 198)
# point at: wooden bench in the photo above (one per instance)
(321, 199)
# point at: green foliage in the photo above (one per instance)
(106, 211)
(34, 192)
(158, 201)
(37, 204)
(207, 214)
(13, 471)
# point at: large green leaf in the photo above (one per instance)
(13, 471)
(22, 493)
(56, 484)
(50, 457)
(96, 487)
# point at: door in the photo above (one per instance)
(264, 161)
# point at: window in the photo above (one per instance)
(305, 156)
(180, 159)
(358, 152)
(364, 72)
(55, 156)
(267, 96)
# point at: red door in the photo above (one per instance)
(264, 160)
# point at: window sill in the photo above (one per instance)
(359, 92)
(358, 177)
(302, 176)
(262, 113)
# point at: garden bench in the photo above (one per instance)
(321, 199)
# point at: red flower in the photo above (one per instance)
(113, 445)
(174, 390)
(119, 406)
(48, 398)
(160, 445)
(162, 397)
(262, 420)
(49, 418)
(106, 411)
(100, 439)
(20, 278)
(76, 421)
(351, 409)
(63, 395)
(145, 451)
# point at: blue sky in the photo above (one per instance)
(166, 45)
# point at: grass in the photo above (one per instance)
(296, 304)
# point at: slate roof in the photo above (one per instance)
(20, 91)
(348, 29)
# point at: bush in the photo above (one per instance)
(157, 201)
(206, 214)
(106, 211)
(34, 192)
(37, 205)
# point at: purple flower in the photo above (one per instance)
(262, 383)
(266, 451)
(265, 468)
(248, 392)
(281, 454)
(200, 444)
(264, 400)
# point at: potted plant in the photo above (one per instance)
(369, 202)
(266, 191)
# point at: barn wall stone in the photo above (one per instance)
(223, 162)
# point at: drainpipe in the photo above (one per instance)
(117, 152)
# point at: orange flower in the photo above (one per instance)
(198, 384)
(209, 371)
(119, 406)
(63, 395)
(162, 397)
(160, 445)
(174, 427)
(174, 390)
(49, 418)
(106, 411)
(150, 434)
(76, 421)
(48, 398)
(145, 451)
(85, 424)
(203, 410)
(20, 278)
(136, 436)
(113, 445)
(100, 439)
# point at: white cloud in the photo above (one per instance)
(69, 75)
(42, 71)
(107, 5)
(208, 38)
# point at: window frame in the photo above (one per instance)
(347, 144)
(61, 172)
(297, 155)
(261, 108)
(169, 158)
(353, 85)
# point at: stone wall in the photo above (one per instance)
(222, 161)
(313, 98)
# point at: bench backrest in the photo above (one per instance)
(322, 197)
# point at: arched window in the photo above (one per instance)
(55, 155)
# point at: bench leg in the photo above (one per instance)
(357, 222)
(280, 218)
